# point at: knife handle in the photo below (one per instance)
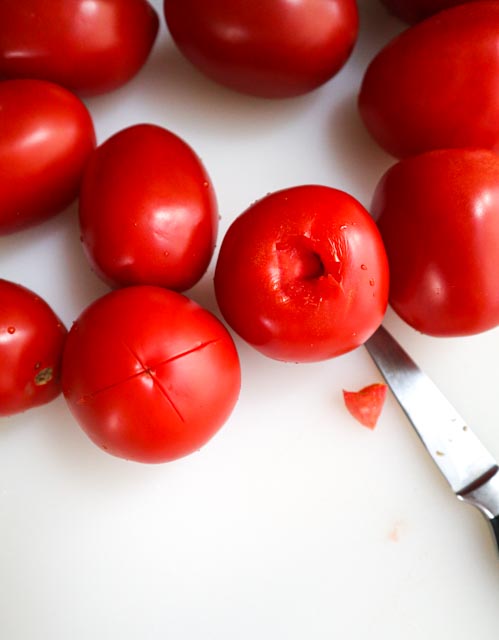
(484, 495)
(494, 523)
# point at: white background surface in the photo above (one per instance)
(294, 522)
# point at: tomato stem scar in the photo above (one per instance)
(44, 376)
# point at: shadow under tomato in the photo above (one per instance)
(171, 92)
(363, 161)
(49, 260)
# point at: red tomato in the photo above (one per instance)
(274, 48)
(367, 404)
(416, 10)
(148, 212)
(46, 137)
(434, 86)
(438, 214)
(31, 342)
(149, 375)
(87, 46)
(302, 274)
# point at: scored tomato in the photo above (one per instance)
(148, 211)
(31, 343)
(273, 49)
(302, 275)
(438, 214)
(149, 374)
(46, 138)
(434, 85)
(87, 47)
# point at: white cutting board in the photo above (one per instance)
(294, 522)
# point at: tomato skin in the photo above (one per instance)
(438, 214)
(43, 151)
(302, 274)
(31, 343)
(89, 48)
(412, 11)
(273, 49)
(148, 212)
(434, 86)
(149, 374)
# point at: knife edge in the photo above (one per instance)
(456, 450)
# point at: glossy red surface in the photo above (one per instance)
(149, 375)
(87, 46)
(272, 49)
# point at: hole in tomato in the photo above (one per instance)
(298, 259)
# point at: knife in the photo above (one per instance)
(465, 463)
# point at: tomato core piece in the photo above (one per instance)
(366, 405)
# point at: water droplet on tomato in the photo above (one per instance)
(11, 330)
(343, 227)
(371, 282)
(363, 267)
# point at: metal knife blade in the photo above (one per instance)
(466, 464)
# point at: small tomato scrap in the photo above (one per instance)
(366, 405)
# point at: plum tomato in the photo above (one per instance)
(148, 212)
(148, 374)
(366, 404)
(434, 85)
(46, 138)
(412, 11)
(273, 49)
(87, 47)
(31, 344)
(438, 213)
(302, 275)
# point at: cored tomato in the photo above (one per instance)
(149, 374)
(438, 214)
(87, 46)
(434, 86)
(148, 212)
(302, 274)
(31, 343)
(46, 138)
(416, 10)
(273, 48)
